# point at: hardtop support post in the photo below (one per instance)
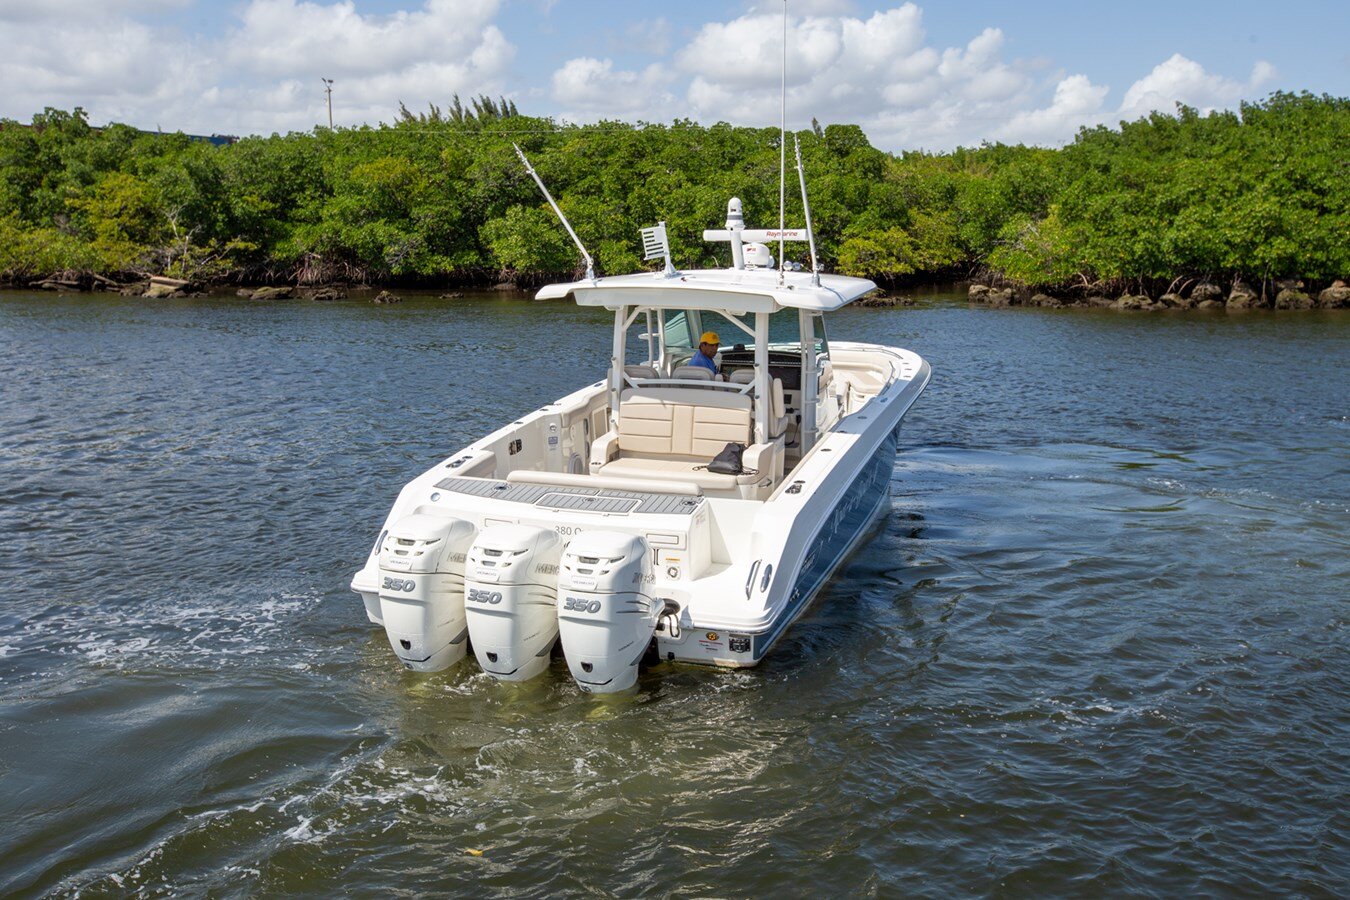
(616, 365)
(762, 378)
(806, 435)
(651, 339)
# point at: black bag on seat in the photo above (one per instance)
(728, 462)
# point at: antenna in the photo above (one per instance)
(806, 204)
(328, 90)
(782, 151)
(590, 263)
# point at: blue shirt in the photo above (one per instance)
(701, 360)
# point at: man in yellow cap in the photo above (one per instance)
(707, 352)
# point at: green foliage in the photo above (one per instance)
(27, 252)
(121, 213)
(1260, 193)
(1035, 251)
(527, 239)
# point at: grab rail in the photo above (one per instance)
(729, 386)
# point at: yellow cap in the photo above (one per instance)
(710, 337)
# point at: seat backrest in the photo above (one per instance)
(682, 422)
(641, 372)
(693, 373)
(777, 400)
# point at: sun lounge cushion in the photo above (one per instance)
(679, 470)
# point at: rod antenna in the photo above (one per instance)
(806, 204)
(590, 263)
(782, 151)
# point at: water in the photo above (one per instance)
(1097, 646)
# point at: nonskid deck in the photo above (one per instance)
(581, 499)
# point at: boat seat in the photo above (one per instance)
(641, 372)
(681, 471)
(778, 415)
(672, 433)
(694, 373)
(761, 462)
(682, 422)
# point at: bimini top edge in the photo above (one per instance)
(747, 290)
(751, 285)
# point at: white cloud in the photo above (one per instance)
(587, 86)
(878, 71)
(117, 66)
(289, 37)
(261, 75)
(881, 72)
(1077, 102)
(1181, 80)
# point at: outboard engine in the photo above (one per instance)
(605, 614)
(422, 590)
(511, 599)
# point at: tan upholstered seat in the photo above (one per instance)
(636, 371)
(672, 433)
(694, 373)
(680, 470)
(682, 422)
(778, 415)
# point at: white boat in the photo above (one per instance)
(600, 520)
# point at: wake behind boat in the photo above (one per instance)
(686, 513)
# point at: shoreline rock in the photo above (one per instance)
(1203, 296)
(1291, 298)
(1001, 298)
(1176, 301)
(885, 301)
(1243, 297)
(1206, 291)
(1335, 297)
(1133, 301)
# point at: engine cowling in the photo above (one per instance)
(421, 590)
(510, 599)
(606, 615)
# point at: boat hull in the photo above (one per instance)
(819, 543)
(731, 573)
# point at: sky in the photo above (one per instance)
(921, 75)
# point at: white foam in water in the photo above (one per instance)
(303, 833)
(167, 633)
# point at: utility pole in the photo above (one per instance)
(328, 89)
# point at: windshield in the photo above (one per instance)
(784, 333)
(676, 323)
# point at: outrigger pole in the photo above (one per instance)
(782, 154)
(590, 263)
(806, 204)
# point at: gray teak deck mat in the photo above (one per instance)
(601, 500)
